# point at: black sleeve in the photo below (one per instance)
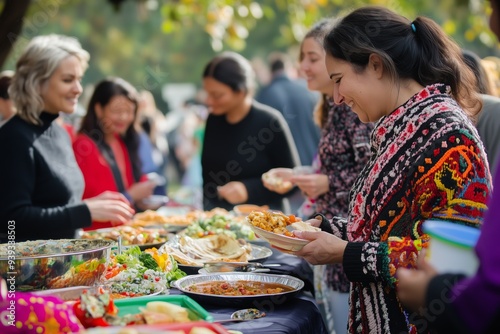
(439, 308)
(17, 182)
(282, 152)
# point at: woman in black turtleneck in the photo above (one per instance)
(41, 185)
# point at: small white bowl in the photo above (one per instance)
(155, 201)
(279, 240)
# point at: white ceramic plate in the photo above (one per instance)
(155, 200)
(279, 240)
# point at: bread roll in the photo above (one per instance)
(178, 313)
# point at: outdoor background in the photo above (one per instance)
(162, 47)
(153, 43)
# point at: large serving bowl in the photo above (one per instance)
(293, 285)
(51, 264)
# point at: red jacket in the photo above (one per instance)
(97, 172)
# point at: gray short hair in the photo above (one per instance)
(35, 66)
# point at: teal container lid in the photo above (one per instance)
(456, 234)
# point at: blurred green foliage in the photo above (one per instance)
(154, 42)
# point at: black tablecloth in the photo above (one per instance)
(291, 265)
(297, 315)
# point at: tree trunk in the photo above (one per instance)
(11, 23)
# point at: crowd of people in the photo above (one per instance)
(399, 124)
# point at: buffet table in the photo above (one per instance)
(298, 315)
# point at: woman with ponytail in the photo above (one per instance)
(427, 159)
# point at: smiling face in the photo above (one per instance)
(367, 92)
(60, 93)
(495, 18)
(116, 116)
(221, 99)
(312, 65)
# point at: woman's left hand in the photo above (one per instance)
(234, 192)
(323, 248)
(413, 283)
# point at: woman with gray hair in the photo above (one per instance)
(41, 183)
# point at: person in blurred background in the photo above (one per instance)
(106, 146)
(488, 123)
(243, 138)
(295, 103)
(451, 302)
(427, 159)
(41, 183)
(6, 107)
(153, 146)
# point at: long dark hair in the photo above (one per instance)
(474, 62)
(233, 70)
(91, 125)
(417, 50)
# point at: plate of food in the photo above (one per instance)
(219, 224)
(239, 288)
(276, 228)
(73, 293)
(155, 201)
(52, 264)
(98, 309)
(160, 219)
(191, 254)
(130, 236)
(278, 179)
(246, 209)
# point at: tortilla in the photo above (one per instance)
(195, 252)
(302, 226)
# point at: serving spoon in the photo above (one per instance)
(244, 315)
(217, 267)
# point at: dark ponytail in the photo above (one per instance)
(417, 50)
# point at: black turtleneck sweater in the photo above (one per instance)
(41, 185)
(243, 152)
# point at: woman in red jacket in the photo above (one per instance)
(106, 146)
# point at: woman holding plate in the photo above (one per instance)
(427, 159)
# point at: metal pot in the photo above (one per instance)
(49, 264)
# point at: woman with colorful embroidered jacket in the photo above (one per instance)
(427, 159)
(343, 151)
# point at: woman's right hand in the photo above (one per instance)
(115, 210)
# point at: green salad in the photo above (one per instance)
(219, 224)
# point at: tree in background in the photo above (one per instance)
(152, 42)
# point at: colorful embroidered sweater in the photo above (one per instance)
(427, 162)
